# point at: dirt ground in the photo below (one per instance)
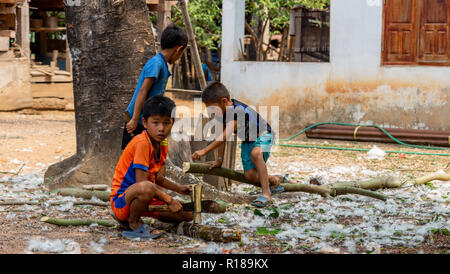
(413, 220)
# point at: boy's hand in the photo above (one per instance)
(198, 154)
(175, 206)
(214, 164)
(131, 126)
(185, 190)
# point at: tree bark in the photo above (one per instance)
(109, 46)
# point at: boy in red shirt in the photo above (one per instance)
(139, 177)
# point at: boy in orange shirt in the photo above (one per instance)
(139, 177)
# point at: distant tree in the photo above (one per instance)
(206, 16)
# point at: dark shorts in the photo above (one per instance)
(127, 136)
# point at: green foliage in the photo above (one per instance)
(442, 231)
(206, 16)
(206, 19)
(279, 11)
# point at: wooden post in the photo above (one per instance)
(197, 199)
(194, 48)
(23, 28)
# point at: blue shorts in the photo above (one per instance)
(264, 142)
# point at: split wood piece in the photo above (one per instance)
(204, 232)
(86, 194)
(197, 200)
(290, 187)
(95, 187)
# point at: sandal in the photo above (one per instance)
(275, 190)
(144, 232)
(261, 202)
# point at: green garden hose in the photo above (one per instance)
(362, 149)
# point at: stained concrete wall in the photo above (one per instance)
(354, 87)
(15, 87)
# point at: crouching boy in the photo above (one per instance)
(139, 176)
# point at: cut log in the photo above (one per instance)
(290, 187)
(390, 182)
(204, 232)
(13, 203)
(85, 194)
(76, 222)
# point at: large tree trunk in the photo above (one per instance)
(109, 46)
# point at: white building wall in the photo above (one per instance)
(353, 87)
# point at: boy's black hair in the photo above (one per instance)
(214, 91)
(173, 36)
(158, 105)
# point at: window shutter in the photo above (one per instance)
(434, 32)
(400, 33)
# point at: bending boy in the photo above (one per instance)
(255, 133)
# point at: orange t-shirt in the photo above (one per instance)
(138, 154)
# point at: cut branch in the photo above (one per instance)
(324, 191)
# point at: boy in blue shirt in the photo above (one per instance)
(255, 133)
(153, 78)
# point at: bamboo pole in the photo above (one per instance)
(324, 191)
(194, 49)
(204, 232)
(76, 222)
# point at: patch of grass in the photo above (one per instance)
(441, 231)
(398, 233)
(222, 221)
(275, 213)
(258, 212)
(337, 235)
(264, 231)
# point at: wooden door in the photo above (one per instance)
(400, 35)
(434, 33)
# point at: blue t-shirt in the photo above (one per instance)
(155, 67)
